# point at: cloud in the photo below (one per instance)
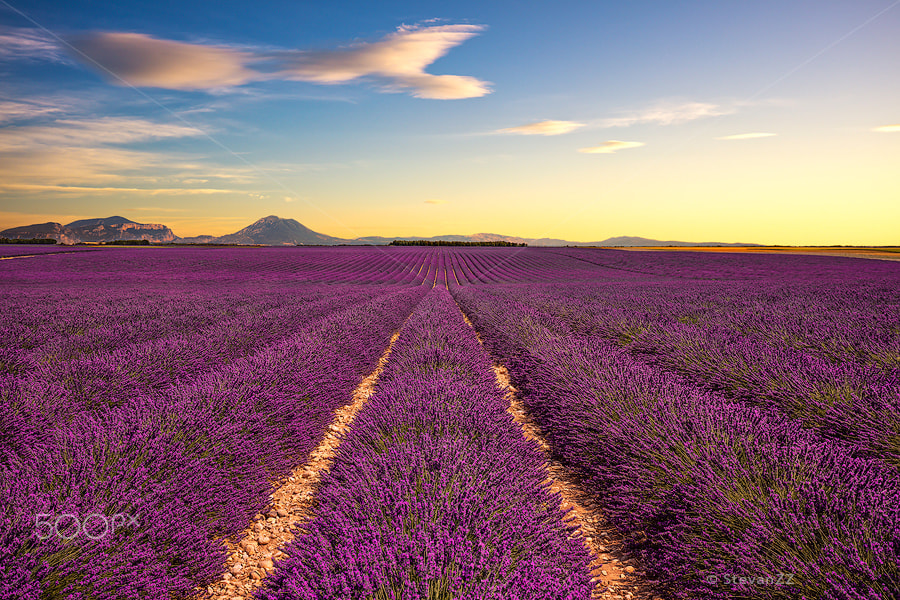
(543, 128)
(90, 133)
(435, 201)
(70, 155)
(72, 166)
(396, 62)
(746, 136)
(23, 44)
(158, 209)
(611, 146)
(669, 113)
(24, 187)
(13, 110)
(887, 129)
(143, 61)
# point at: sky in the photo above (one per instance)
(764, 121)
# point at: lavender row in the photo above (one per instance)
(709, 489)
(186, 467)
(54, 326)
(116, 378)
(736, 266)
(202, 268)
(851, 321)
(840, 400)
(844, 400)
(434, 492)
(846, 322)
(205, 267)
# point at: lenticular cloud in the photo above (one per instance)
(144, 61)
(397, 62)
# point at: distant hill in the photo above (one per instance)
(631, 241)
(622, 241)
(112, 229)
(200, 239)
(109, 229)
(275, 231)
(91, 223)
(41, 231)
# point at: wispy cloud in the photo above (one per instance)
(610, 147)
(158, 209)
(887, 129)
(746, 136)
(25, 169)
(90, 133)
(72, 155)
(396, 62)
(25, 187)
(435, 201)
(670, 113)
(15, 110)
(544, 128)
(29, 44)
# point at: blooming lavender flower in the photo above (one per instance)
(434, 491)
(735, 415)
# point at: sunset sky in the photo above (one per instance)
(767, 121)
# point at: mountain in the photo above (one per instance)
(119, 228)
(622, 241)
(41, 231)
(93, 230)
(626, 240)
(275, 231)
(90, 223)
(200, 239)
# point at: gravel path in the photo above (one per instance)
(251, 560)
(615, 574)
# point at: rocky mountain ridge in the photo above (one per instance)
(110, 229)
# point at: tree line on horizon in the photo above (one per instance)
(4, 240)
(451, 243)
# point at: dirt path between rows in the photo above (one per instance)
(616, 575)
(250, 561)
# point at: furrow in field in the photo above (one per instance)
(434, 493)
(611, 572)
(704, 486)
(251, 559)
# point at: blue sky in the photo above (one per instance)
(769, 122)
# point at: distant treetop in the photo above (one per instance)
(28, 241)
(449, 243)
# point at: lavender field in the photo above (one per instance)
(733, 419)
